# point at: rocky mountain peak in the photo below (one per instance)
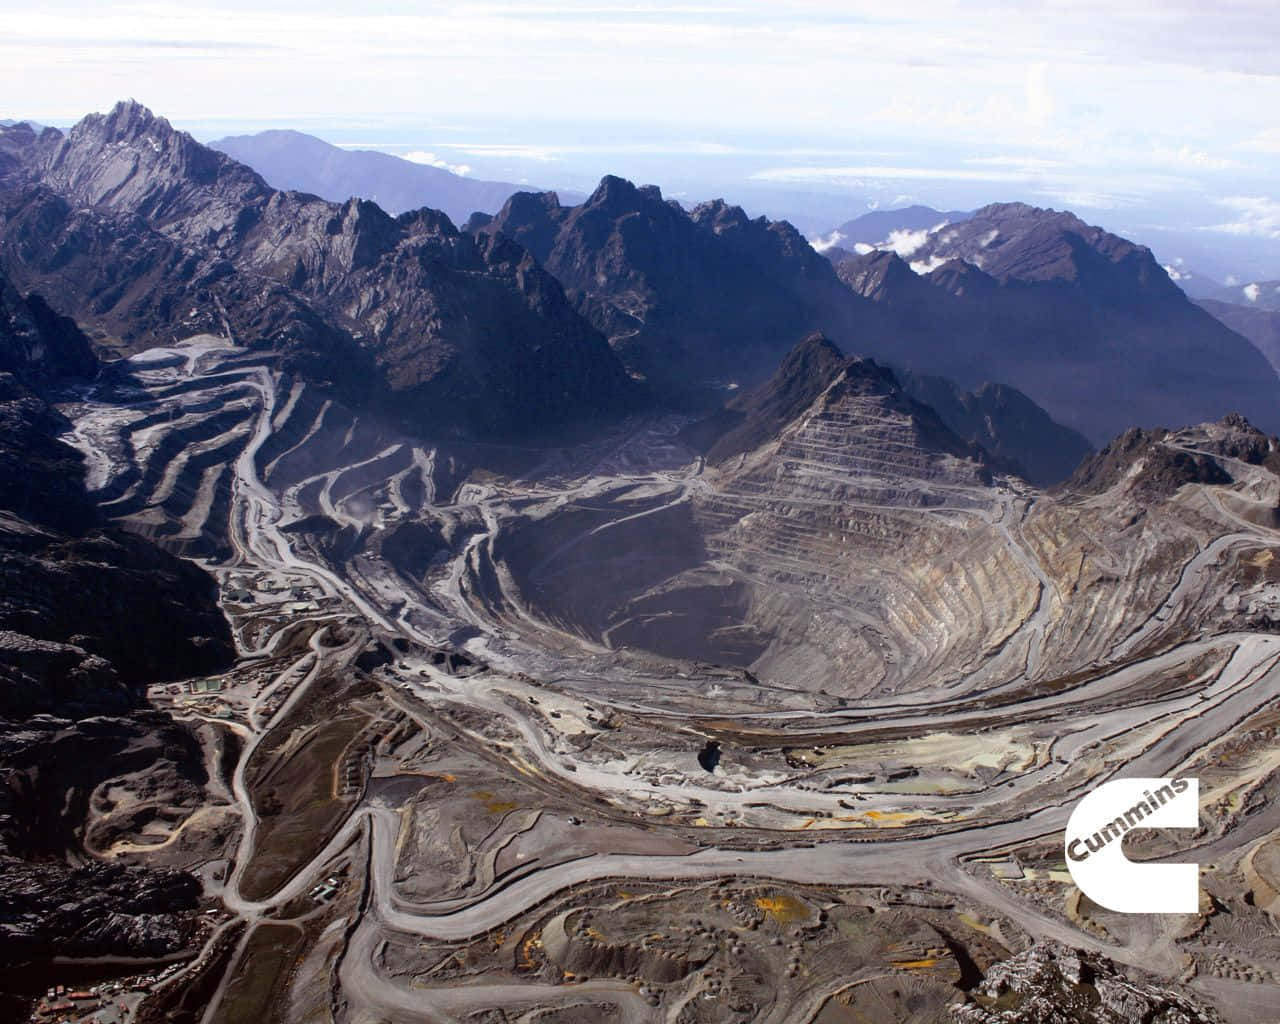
(817, 355)
(160, 236)
(131, 160)
(614, 192)
(127, 121)
(1150, 464)
(527, 206)
(880, 275)
(424, 222)
(998, 212)
(815, 377)
(1019, 242)
(719, 215)
(958, 278)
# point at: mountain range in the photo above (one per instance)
(545, 315)
(303, 163)
(1086, 323)
(146, 235)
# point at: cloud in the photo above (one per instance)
(1022, 162)
(1251, 292)
(420, 156)
(1257, 216)
(821, 244)
(1264, 142)
(928, 266)
(860, 176)
(1089, 199)
(516, 151)
(1186, 156)
(905, 242)
(1040, 104)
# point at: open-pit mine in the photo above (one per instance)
(786, 728)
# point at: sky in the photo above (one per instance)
(1151, 115)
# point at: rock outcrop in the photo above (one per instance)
(1052, 984)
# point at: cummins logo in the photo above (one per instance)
(1095, 846)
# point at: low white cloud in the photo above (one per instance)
(928, 266)
(539, 154)
(1186, 156)
(1258, 216)
(822, 244)
(421, 156)
(862, 248)
(1263, 142)
(861, 176)
(1081, 198)
(1174, 273)
(905, 242)
(1251, 292)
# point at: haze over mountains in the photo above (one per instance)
(303, 163)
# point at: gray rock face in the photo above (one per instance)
(686, 298)
(1083, 322)
(145, 235)
(1052, 984)
(1153, 464)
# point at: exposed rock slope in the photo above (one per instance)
(1050, 984)
(146, 236)
(686, 298)
(85, 610)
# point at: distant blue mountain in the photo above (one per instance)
(303, 163)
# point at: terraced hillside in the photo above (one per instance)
(842, 678)
(842, 655)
